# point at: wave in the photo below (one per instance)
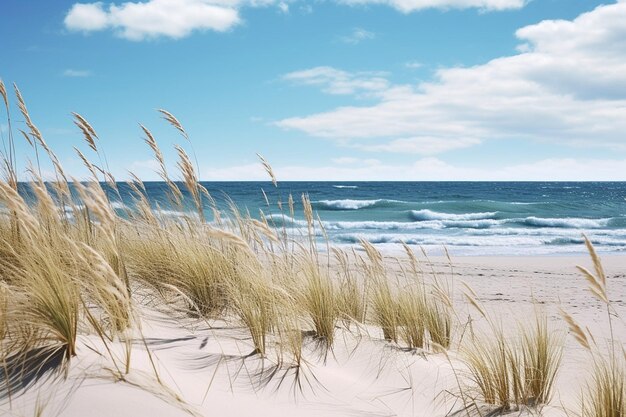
(280, 220)
(477, 241)
(348, 204)
(567, 222)
(438, 221)
(345, 186)
(441, 240)
(425, 214)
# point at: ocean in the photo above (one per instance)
(469, 218)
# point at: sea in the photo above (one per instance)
(467, 218)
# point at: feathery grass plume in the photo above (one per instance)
(265, 229)
(175, 193)
(174, 122)
(597, 282)
(22, 216)
(575, 330)
(169, 117)
(413, 261)
(3, 93)
(89, 133)
(268, 169)
(87, 163)
(107, 289)
(95, 199)
(472, 298)
(191, 180)
(33, 145)
(605, 394)
(61, 177)
(10, 158)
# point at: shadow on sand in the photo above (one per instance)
(22, 370)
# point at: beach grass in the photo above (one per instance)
(73, 264)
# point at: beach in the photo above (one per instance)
(206, 363)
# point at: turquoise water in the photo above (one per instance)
(507, 218)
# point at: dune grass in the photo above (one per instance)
(72, 263)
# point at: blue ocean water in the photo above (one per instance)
(506, 218)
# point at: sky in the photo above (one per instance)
(332, 90)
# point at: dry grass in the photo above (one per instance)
(604, 395)
(512, 370)
(72, 264)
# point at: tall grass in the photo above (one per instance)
(604, 394)
(73, 263)
(509, 370)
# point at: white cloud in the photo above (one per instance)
(569, 88)
(420, 145)
(334, 81)
(155, 18)
(87, 17)
(432, 169)
(77, 73)
(357, 35)
(407, 6)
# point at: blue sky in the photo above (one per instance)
(330, 90)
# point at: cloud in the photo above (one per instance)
(569, 88)
(77, 73)
(432, 169)
(407, 6)
(86, 17)
(334, 81)
(148, 19)
(421, 145)
(160, 18)
(357, 35)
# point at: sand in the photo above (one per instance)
(206, 372)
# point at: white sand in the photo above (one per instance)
(363, 376)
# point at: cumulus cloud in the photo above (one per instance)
(146, 19)
(407, 6)
(569, 87)
(334, 81)
(155, 18)
(432, 169)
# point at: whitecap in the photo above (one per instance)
(426, 214)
